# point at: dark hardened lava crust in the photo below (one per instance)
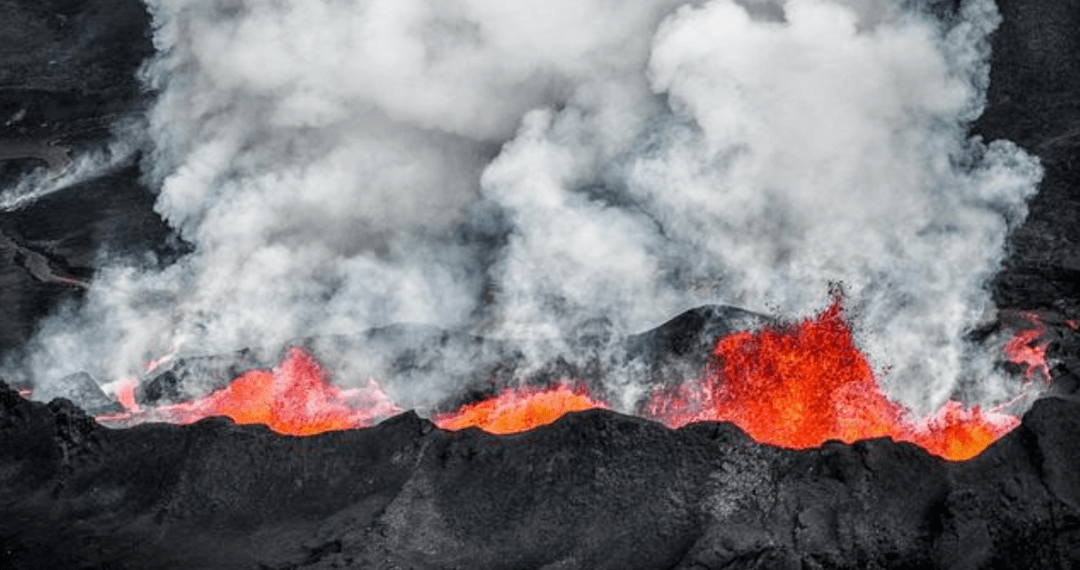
(594, 490)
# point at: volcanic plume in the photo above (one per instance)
(536, 172)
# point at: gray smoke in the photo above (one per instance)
(530, 169)
(64, 171)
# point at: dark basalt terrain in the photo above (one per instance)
(68, 76)
(594, 490)
(1034, 100)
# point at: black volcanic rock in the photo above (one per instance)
(594, 490)
(68, 74)
(68, 62)
(1034, 100)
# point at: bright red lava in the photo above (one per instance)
(520, 409)
(296, 398)
(802, 385)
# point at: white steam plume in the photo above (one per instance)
(333, 163)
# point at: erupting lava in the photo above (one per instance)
(296, 398)
(803, 385)
(520, 409)
(796, 386)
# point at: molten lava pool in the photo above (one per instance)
(795, 386)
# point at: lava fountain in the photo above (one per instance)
(802, 385)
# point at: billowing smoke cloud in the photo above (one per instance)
(530, 169)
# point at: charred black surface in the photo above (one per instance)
(68, 64)
(50, 249)
(1034, 100)
(594, 490)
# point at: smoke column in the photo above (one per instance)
(528, 169)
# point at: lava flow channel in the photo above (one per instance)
(803, 385)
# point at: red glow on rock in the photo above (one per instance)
(296, 398)
(802, 385)
(520, 409)
(1028, 347)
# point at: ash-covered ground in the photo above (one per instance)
(595, 490)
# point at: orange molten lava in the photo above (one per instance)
(296, 398)
(802, 385)
(519, 409)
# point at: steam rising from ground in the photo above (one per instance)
(537, 168)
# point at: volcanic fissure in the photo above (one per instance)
(796, 386)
